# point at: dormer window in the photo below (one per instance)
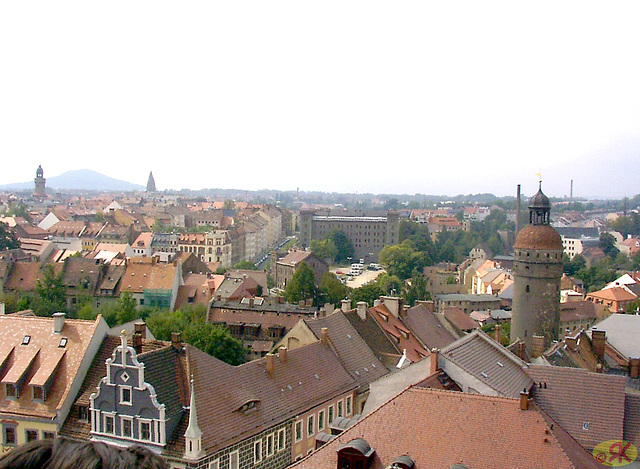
(26, 339)
(39, 393)
(11, 391)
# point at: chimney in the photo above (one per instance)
(361, 309)
(2, 309)
(403, 311)
(571, 342)
(140, 328)
(270, 363)
(598, 339)
(435, 353)
(537, 346)
(176, 340)
(282, 353)
(524, 400)
(498, 333)
(137, 342)
(58, 322)
(393, 304)
(301, 304)
(324, 335)
(521, 348)
(346, 305)
(634, 367)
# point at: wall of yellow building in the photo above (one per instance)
(21, 431)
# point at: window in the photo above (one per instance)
(348, 405)
(281, 439)
(127, 427)
(215, 464)
(321, 420)
(83, 413)
(339, 409)
(257, 451)
(234, 460)
(298, 430)
(310, 425)
(330, 417)
(271, 444)
(25, 340)
(48, 435)
(125, 395)
(108, 424)
(9, 435)
(31, 435)
(38, 393)
(11, 391)
(145, 431)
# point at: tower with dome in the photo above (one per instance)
(537, 272)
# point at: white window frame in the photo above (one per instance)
(215, 464)
(295, 430)
(321, 420)
(271, 444)
(145, 422)
(122, 390)
(311, 425)
(331, 415)
(348, 405)
(340, 408)
(284, 439)
(126, 419)
(234, 455)
(257, 451)
(105, 416)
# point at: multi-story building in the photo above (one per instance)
(214, 246)
(367, 233)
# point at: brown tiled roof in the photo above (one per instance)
(613, 294)
(447, 428)
(112, 277)
(580, 310)
(78, 269)
(311, 375)
(36, 359)
(581, 355)
(459, 319)
(576, 398)
(393, 327)
(354, 353)
(489, 362)
(428, 328)
(140, 275)
(294, 257)
(266, 319)
(23, 276)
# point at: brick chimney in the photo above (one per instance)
(270, 364)
(176, 340)
(324, 336)
(497, 333)
(524, 400)
(521, 349)
(346, 305)
(634, 367)
(137, 342)
(435, 353)
(598, 340)
(361, 309)
(282, 353)
(537, 346)
(58, 322)
(572, 342)
(140, 328)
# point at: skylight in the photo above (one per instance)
(26, 339)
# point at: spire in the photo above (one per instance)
(151, 183)
(193, 435)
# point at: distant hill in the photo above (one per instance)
(81, 179)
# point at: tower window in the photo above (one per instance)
(527, 289)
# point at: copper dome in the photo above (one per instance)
(541, 237)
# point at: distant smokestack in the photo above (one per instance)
(518, 209)
(571, 190)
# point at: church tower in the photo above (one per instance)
(537, 271)
(40, 182)
(151, 183)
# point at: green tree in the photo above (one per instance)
(8, 238)
(126, 308)
(389, 283)
(367, 293)
(608, 245)
(416, 289)
(343, 245)
(402, 259)
(333, 290)
(573, 266)
(50, 292)
(244, 265)
(324, 249)
(302, 285)
(229, 204)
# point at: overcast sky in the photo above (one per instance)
(367, 96)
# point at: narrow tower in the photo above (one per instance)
(151, 183)
(40, 183)
(537, 271)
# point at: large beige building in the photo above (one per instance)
(368, 233)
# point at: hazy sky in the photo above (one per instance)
(366, 96)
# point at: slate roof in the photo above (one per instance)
(428, 327)
(355, 354)
(373, 335)
(623, 331)
(460, 320)
(576, 398)
(449, 428)
(489, 362)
